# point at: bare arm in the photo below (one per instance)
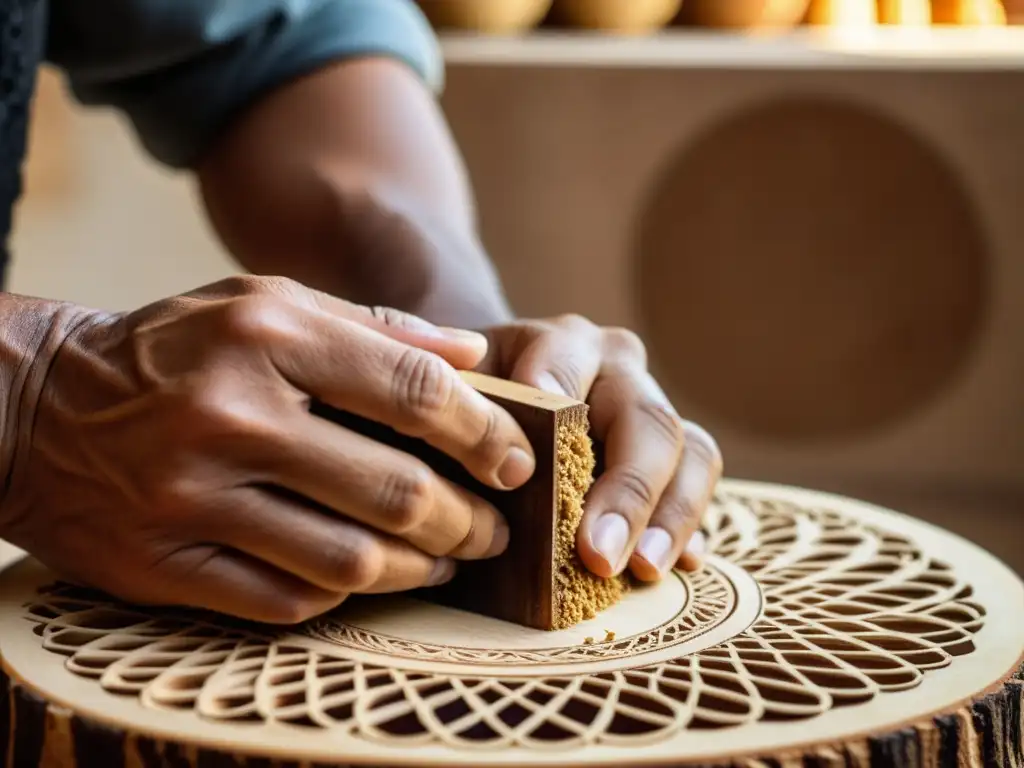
(349, 181)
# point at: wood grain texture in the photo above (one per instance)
(518, 585)
(983, 733)
(820, 632)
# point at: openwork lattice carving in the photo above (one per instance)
(851, 611)
(710, 597)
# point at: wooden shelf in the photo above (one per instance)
(885, 48)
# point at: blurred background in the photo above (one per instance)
(813, 211)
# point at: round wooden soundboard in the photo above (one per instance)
(822, 631)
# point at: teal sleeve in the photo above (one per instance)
(179, 69)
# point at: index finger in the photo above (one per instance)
(461, 348)
(417, 393)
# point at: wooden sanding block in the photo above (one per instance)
(539, 581)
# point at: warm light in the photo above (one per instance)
(905, 13)
(969, 12)
(843, 13)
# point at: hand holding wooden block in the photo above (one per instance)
(539, 581)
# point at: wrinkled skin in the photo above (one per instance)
(174, 460)
(170, 457)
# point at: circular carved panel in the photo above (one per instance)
(679, 615)
(814, 615)
(809, 269)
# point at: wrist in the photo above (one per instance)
(32, 334)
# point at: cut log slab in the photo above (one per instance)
(983, 733)
(539, 581)
(821, 631)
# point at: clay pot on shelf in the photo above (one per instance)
(969, 13)
(905, 13)
(843, 13)
(490, 16)
(1014, 11)
(630, 16)
(744, 14)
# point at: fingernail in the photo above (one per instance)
(499, 543)
(610, 536)
(548, 383)
(656, 548)
(516, 469)
(697, 545)
(444, 571)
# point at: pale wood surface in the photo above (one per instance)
(871, 622)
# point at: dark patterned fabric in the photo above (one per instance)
(21, 31)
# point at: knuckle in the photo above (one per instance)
(676, 511)
(257, 319)
(397, 319)
(626, 342)
(234, 285)
(251, 285)
(390, 316)
(490, 444)
(574, 321)
(568, 375)
(407, 499)
(665, 421)
(700, 442)
(424, 384)
(635, 488)
(359, 567)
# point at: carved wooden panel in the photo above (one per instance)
(817, 621)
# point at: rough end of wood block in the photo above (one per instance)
(578, 594)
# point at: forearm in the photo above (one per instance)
(349, 181)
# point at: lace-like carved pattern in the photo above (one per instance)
(851, 612)
(711, 597)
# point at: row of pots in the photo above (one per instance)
(508, 16)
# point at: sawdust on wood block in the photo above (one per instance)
(579, 594)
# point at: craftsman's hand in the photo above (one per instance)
(659, 471)
(171, 456)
